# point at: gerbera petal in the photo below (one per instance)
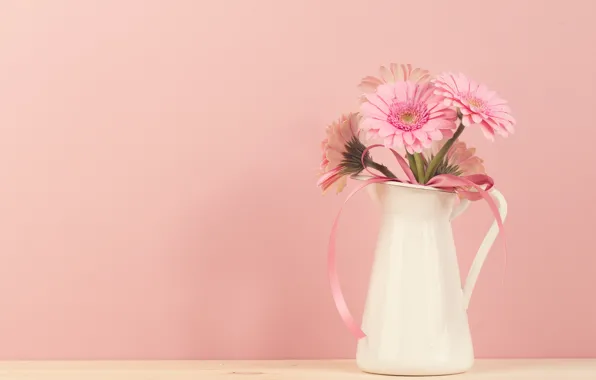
(400, 90)
(447, 133)
(337, 144)
(393, 141)
(423, 138)
(489, 133)
(493, 123)
(346, 132)
(370, 123)
(329, 178)
(399, 72)
(354, 124)
(448, 82)
(369, 84)
(438, 124)
(421, 135)
(386, 129)
(371, 134)
(501, 125)
(408, 138)
(394, 73)
(459, 104)
(482, 91)
(425, 94)
(463, 158)
(436, 135)
(503, 115)
(501, 132)
(334, 157)
(407, 69)
(439, 112)
(464, 154)
(377, 101)
(462, 82)
(508, 126)
(386, 74)
(426, 143)
(466, 120)
(473, 166)
(419, 75)
(341, 183)
(473, 87)
(369, 109)
(417, 147)
(476, 118)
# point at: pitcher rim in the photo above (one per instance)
(360, 177)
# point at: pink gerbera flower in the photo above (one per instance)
(335, 163)
(407, 114)
(339, 134)
(478, 105)
(460, 160)
(394, 73)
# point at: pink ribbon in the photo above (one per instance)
(443, 181)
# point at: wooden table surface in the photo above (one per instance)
(538, 369)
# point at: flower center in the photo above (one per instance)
(474, 101)
(407, 116)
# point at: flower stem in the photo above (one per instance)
(382, 168)
(432, 166)
(419, 166)
(412, 163)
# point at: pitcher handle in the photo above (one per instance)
(488, 241)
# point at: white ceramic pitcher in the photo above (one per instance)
(415, 317)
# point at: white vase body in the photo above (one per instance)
(415, 317)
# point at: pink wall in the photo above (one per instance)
(158, 162)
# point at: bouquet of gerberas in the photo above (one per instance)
(414, 319)
(419, 115)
